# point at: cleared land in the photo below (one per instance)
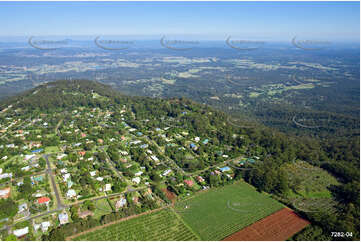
(279, 226)
(159, 225)
(219, 212)
(309, 181)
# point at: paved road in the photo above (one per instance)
(52, 178)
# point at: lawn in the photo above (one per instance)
(102, 208)
(219, 212)
(160, 225)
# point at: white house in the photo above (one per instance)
(139, 173)
(22, 207)
(154, 158)
(100, 178)
(136, 180)
(108, 187)
(6, 175)
(21, 232)
(92, 173)
(71, 193)
(64, 170)
(196, 139)
(45, 225)
(120, 203)
(63, 218)
(123, 152)
(66, 176)
(165, 173)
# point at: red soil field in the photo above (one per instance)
(170, 195)
(280, 225)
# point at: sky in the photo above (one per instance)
(211, 20)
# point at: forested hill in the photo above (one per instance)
(275, 149)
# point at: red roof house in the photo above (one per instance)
(82, 153)
(43, 200)
(188, 182)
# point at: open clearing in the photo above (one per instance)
(219, 212)
(159, 225)
(279, 226)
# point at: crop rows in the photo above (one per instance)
(161, 225)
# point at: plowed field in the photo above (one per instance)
(280, 225)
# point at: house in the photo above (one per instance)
(21, 232)
(100, 178)
(135, 200)
(136, 180)
(59, 157)
(120, 203)
(1, 170)
(217, 172)
(36, 226)
(154, 158)
(139, 173)
(189, 182)
(22, 207)
(93, 173)
(108, 187)
(71, 193)
(66, 176)
(205, 141)
(196, 139)
(63, 218)
(25, 168)
(193, 146)
(5, 193)
(64, 170)
(123, 152)
(44, 226)
(44, 200)
(70, 183)
(149, 152)
(6, 175)
(85, 214)
(224, 169)
(166, 173)
(200, 179)
(82, 153)
(143, 146)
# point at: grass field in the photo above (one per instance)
(219, 212)
(102, 207)
(160, 225)
(309, 181)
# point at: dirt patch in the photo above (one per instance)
(170, 195)
(280, 226)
